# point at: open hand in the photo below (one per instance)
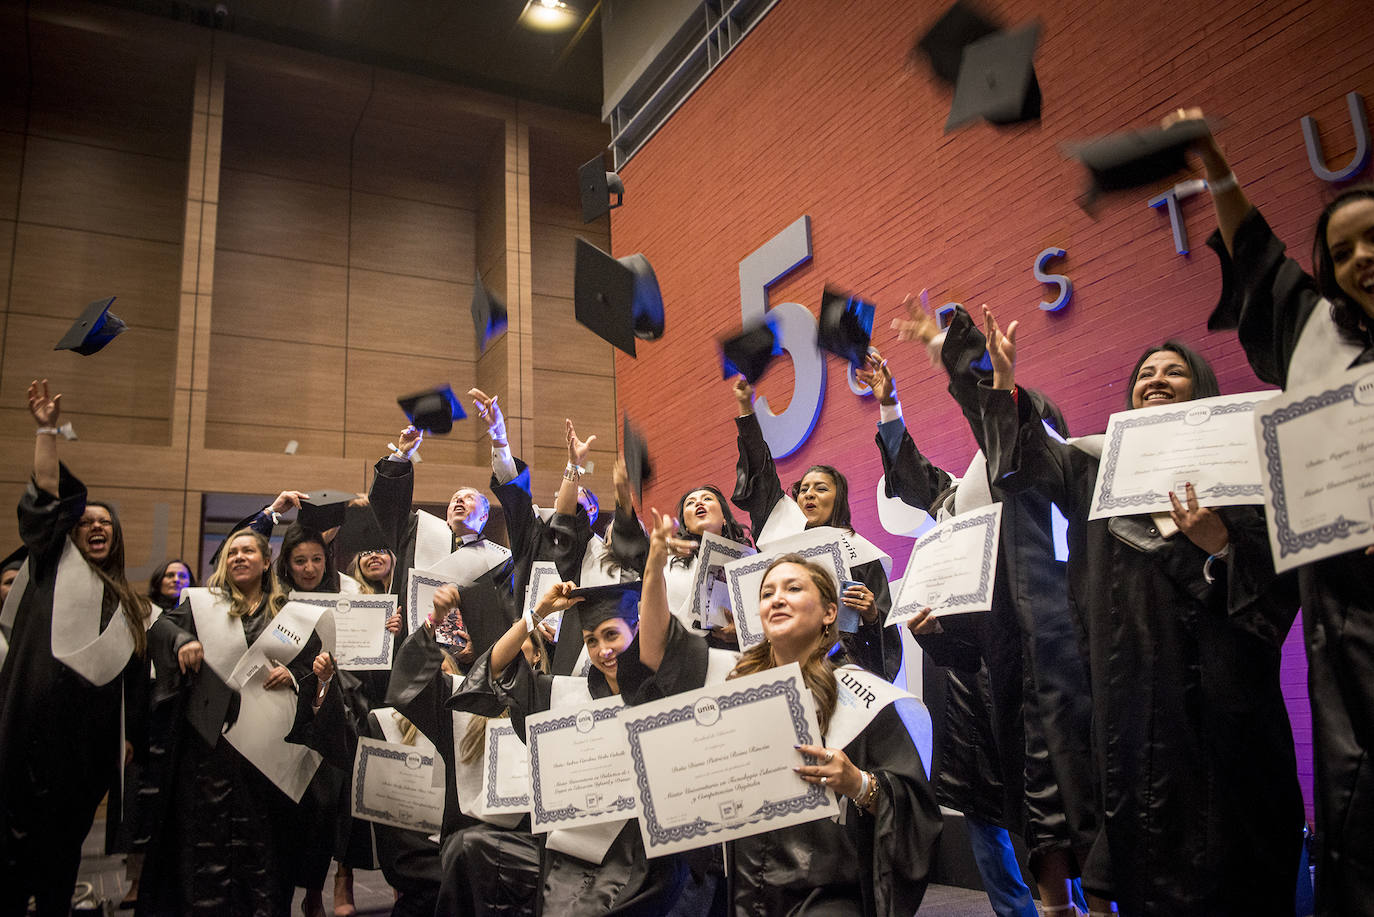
(1002, 350)
(288, 499)
(578, 449)
(875, 374)
(919, 325)
(45, 409)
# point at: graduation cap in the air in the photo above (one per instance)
(96, 327)
(749, 352)
(637, 465)
(845, 327)
(618, 298)
(599, 604)
(485, 616)
(433, 410)
(488, 313)
(596, 186)
(324, 509)
(361, 532)
(211, 705)
(1132, 159)
(960, 26)
(997, 80)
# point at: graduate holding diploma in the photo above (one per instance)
(873, 862)
(1201, 811)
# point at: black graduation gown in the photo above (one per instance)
(626, 883)
(864, 865)
(60, 739)
(1049, 749)
(226, 834)
(533, 539)
(477, 868)
(1275, 299)
(1201, 810)
(757, 491)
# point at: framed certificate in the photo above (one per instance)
(953, 567)
(361, 641)
(710, 596)
(716, 764)
(505, 771)
(543, 574)
(744, 577)
(579, 766)
(393, 784)
(420, 605)
(1317, 455)
(1151, 451)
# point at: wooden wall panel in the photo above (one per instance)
(6, 247)
(554, 252)
(415, 315)
(561, 343)
(84, 187)
(261, 437)
(276, 216)
(279, 298)
(11, 154)
(277, 383)
(588, 400)
(97, 428)
(376, 379)
(411, 237)
(438, 166)
(14, 68)
(58, 271)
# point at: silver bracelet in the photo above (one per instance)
(1207, 574)
(1221, 185)
(48, 431)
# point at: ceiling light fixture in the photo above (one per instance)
(548, 16)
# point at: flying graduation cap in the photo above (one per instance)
(637, 465)
(488, 313)
(596, 186)
(361, 532)
(617, 298)
(323, 510)
(96, 327)
(960, 26)
(845, 327)
(997, 80)
(1133, 159)
(749, 352)
(433, 410)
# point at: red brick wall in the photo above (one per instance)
(820, 112)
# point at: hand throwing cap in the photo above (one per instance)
(597, 185)
(433, 410)
(748, 353)
(96, 327)
(960, 26)
(617, 298)
(1132, 159)
(845, 327)
(997, 80)
(488, 313)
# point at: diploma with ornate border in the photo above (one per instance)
(1317, 454)
(420, 594)
(710, 595)
(543, 574)
(745, 576)
(716, 764)
(1151, 451)
(505, 771)
(394, 784)
(952, 568)
(361, 641)
(579, 766)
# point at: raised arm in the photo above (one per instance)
(1231, 203)
(508, 647)
(503, 467)
(757, 488)
(578, 449)
(654, 614)
(908, 475)
(46, 410)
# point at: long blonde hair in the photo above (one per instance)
(366, 585)
(222, 584)
(817, 670)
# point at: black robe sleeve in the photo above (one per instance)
(874, 646)
(390, 495)
(629, 541)
(757, 488)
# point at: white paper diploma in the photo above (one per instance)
(505, 771)
(1151, 451)
(710, 597)
(745, 576)
(543, 574)
(393, 784)
(420, 598)
(952, 568)
(716, 764)
(579, 766)
(1317, 454)
(361, 641)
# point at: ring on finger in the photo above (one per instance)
(829, 756)
(824, 780)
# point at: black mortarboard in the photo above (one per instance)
(599, 604)
(93, 330)
(211, 704)
(1226, 313)
(15, 559)
(748, 353)
(433, 410)
(944, 44)
(1132, 159)
(618, 298)
(997, 80)
(360, 532)
(845, 326)
(324, 509)
(637, 465)
(597, 185)
(488, 313)
(485, 616)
